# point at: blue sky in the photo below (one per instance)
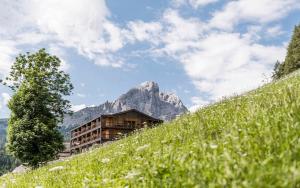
(200, 49)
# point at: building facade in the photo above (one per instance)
(108, 127)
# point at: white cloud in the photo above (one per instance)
(81, 95)
(4, 98)
(194, 3)
(198, 102)
(255, 11)
(109, 60)
(60, 53)
(68, 24)
(76, 108)
(220, 63)
(8, 51)
(143, 31)
(168, 36)
(227, 63)
(275, 31)
(180, 35)
(186, 91)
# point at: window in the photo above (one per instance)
(130, 124)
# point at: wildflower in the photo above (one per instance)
(13, 180)
(56, 168)
(213, 146)
(38, 186)
(85, 181)
(141, 148)
(138, 158)
(105, 180)
(105, 160)
(132, 174)
(120, 153)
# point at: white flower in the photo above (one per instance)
(213, 146)
(105, 180)
(142, 147)
(38, 186)
(132, 174)
(56, 168)
(105, 160)
(13, 180)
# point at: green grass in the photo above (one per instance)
(245, 141)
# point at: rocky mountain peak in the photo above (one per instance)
(145, 98)
(171, 98)
(149, 86)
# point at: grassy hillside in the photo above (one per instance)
(246, 141)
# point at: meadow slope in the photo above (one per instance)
(251, 140)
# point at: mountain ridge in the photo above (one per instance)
(145, 97)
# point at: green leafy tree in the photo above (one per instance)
(37, 107)
(292, 59)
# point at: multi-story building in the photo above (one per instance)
(108, 127)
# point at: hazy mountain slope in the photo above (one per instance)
(3, 127)
(7, 163)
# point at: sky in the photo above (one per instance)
(202, 50)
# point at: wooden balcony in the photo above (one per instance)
(85, 143)
(119, 126)
(94, 138)
(85, 132)
(92, 128)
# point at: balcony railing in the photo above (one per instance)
(120, 126)
(94, 127)
(94, 138)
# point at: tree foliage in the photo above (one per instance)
(37, 107)
(292, 60)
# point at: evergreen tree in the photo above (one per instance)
(278, 70)
(37, 107)
(292, 59)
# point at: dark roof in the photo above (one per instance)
(118, 113)
(126, 111)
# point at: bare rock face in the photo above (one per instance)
(145, 98)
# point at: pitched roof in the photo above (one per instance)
(118, 113)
